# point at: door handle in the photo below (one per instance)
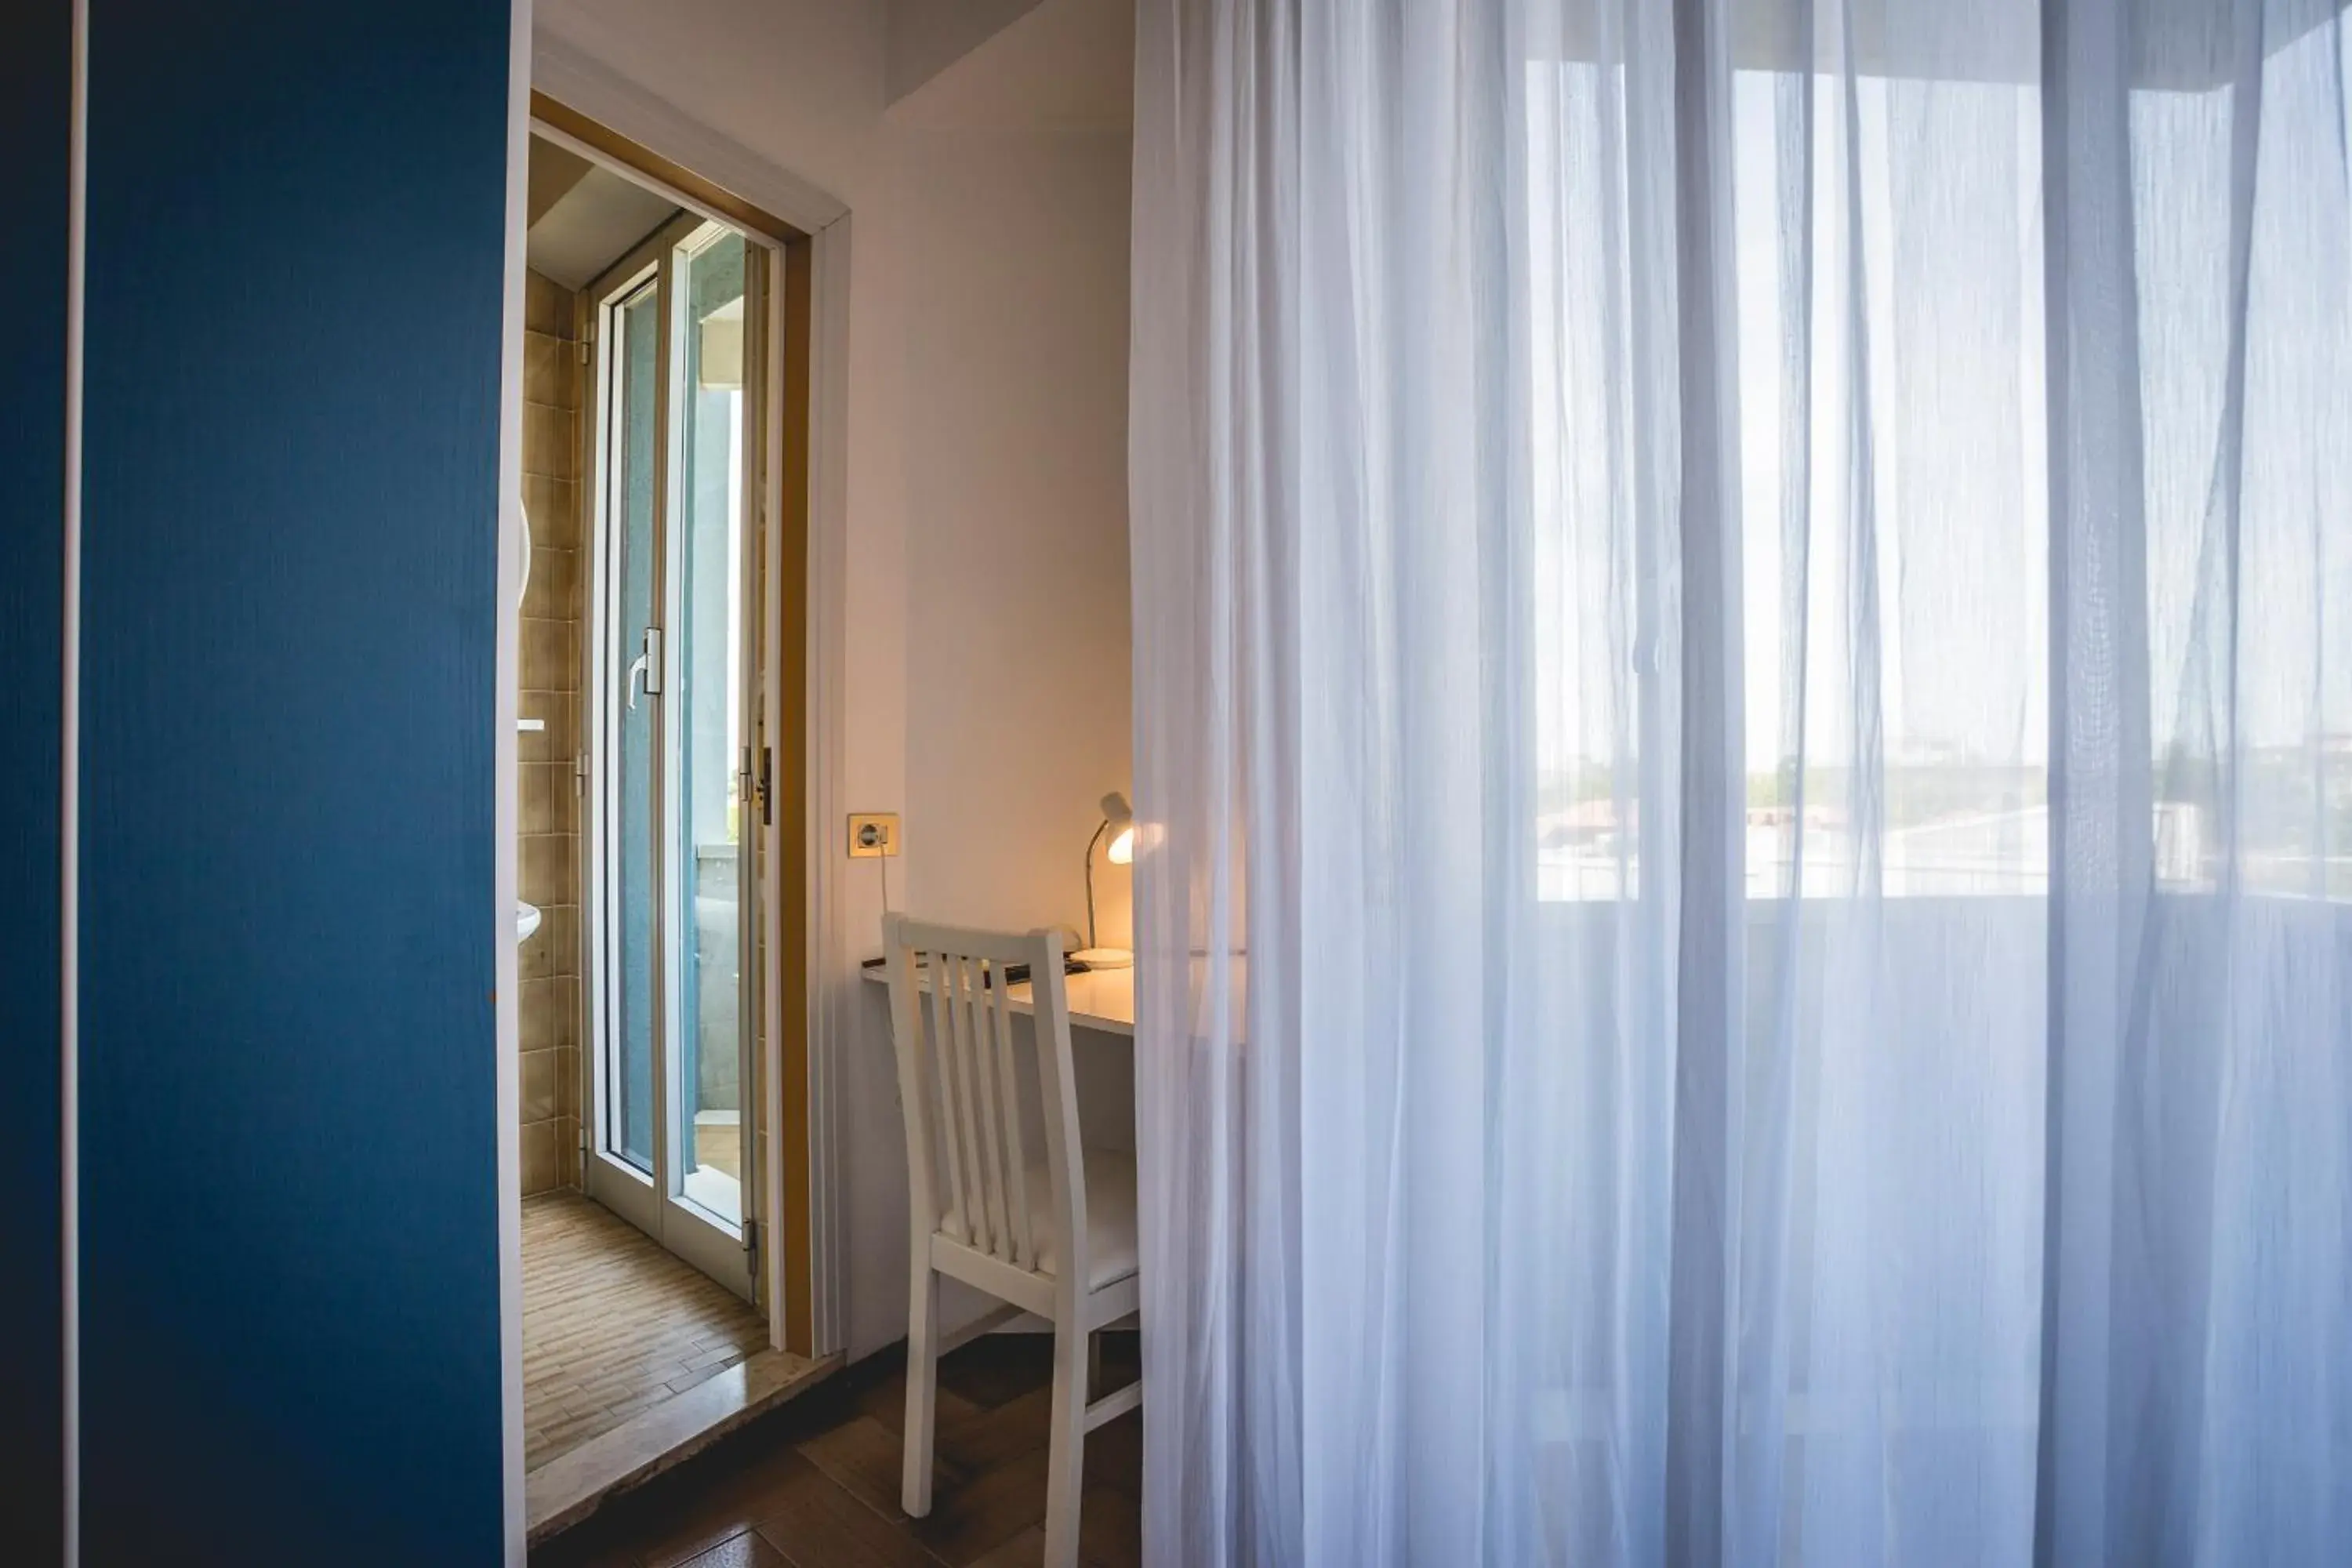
(648, 664)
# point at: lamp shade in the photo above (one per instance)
(1122, 818)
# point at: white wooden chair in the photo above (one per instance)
(1039, 1223)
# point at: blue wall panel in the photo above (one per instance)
(36, 83)
(289, 1172)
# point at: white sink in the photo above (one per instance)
(526, 921)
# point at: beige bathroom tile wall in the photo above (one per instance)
(548, 870)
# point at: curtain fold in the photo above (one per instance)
(1743, 744)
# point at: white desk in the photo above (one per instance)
(1101, 999)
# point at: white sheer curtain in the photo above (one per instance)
(1743, 723)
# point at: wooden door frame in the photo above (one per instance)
(783, 1155)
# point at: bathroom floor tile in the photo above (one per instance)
(612, 1323)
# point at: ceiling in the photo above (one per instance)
(1067, 65)
(583, 217)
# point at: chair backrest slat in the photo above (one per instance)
(1016, 1146)
(960, 1083)
(987, 997)
(940, 1085)
(972, 982)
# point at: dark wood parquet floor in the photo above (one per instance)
(814, 1484)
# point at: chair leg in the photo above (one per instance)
(922, 1386)
(1066, 1460)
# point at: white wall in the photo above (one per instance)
(1015, 409)
(983, 584)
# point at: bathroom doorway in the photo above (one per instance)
(663, 853)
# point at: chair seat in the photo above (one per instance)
(1110, 1219)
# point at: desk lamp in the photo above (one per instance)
(1118, 824)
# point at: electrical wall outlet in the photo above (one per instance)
(873, 834)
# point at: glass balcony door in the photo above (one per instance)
(671, 726)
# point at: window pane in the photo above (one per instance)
(705, 706)
(630, 1072)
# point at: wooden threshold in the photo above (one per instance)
(570, 1487)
